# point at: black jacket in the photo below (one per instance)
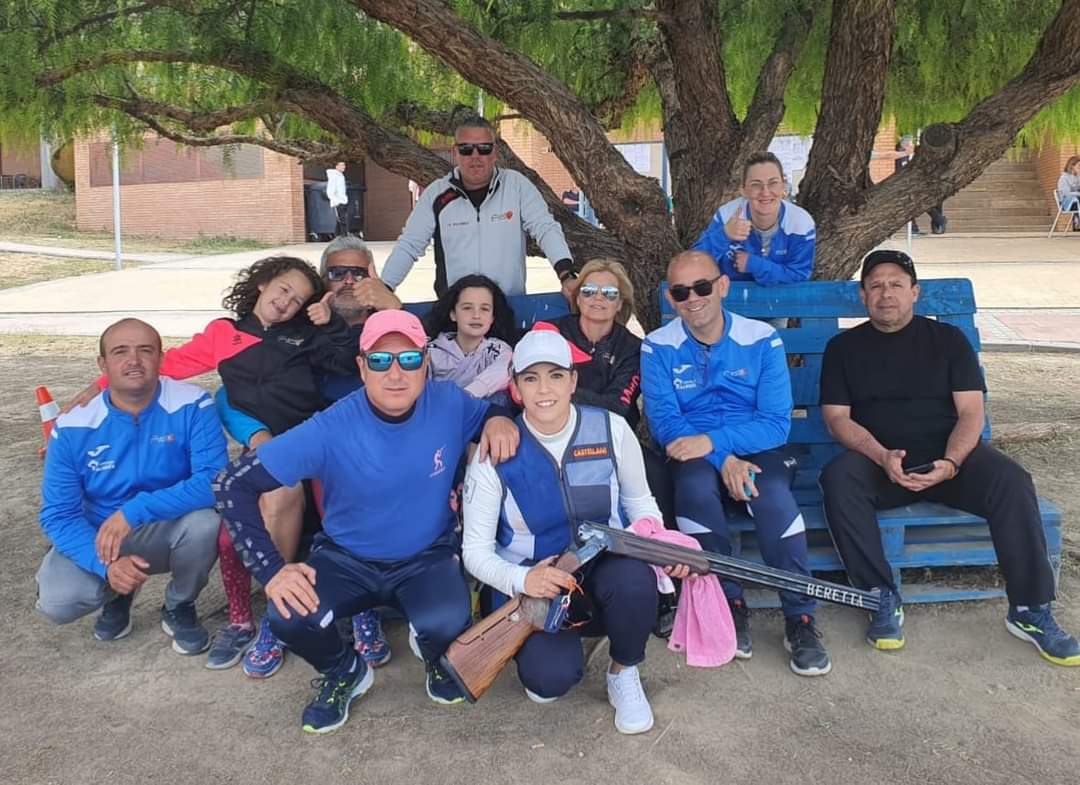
(612, 380)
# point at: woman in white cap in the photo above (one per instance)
(574, 463)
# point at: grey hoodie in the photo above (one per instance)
(481, 373)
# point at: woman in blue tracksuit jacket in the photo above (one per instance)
(760, 236)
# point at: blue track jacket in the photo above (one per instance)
(791, 252)
(737, 391)
(155, 468)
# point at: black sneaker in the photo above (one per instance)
(182, 625)
(803, 641)
(441, 688)
(665, 616)
(740, 614)
(115, 619)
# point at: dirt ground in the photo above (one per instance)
(963, 703)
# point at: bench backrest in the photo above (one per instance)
(823, 309)
(528, 308)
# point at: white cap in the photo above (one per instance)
(542, 346)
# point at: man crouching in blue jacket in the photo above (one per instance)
(718, 398)
(126, 494)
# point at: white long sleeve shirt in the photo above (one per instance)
(484, 498)
(335, 188)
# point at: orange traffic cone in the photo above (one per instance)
(49, 410)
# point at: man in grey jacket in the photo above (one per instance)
(478, 216)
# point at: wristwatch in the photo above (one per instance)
(955, 465)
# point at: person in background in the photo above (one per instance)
(1068, 188)
(338, 195)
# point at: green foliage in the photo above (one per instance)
(948, 55)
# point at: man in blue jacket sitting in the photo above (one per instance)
(718, 398)
(126, 494)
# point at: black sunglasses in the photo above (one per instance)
(484, 148)
(702, 288)
(339, 273)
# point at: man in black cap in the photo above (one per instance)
(904, 395)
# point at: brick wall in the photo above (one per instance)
(387, 202)
(269, 208)
(20, 159)
(885, 143)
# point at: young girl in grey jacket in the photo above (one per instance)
(473, 326)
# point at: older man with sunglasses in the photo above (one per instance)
(718, 399)
(479, 216)
(386, 460)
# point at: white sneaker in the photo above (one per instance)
(632, 711)
(538, 698)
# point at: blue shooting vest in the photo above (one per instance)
(542, 504)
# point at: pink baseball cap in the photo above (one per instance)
(383, 323)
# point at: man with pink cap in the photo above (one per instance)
(386, 458)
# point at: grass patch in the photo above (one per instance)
(40, 217)
(20, 269)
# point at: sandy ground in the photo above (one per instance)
(963, 703)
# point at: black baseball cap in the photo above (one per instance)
(899, 258)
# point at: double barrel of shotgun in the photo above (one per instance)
(475, 659)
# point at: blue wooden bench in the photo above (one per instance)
(922, 535)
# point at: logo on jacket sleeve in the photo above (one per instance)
(94, 453)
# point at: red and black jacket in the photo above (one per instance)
(612, 380)
(271, 373)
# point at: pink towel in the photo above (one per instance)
(703, 625)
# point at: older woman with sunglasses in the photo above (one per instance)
(608, 364)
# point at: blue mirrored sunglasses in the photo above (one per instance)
(590, 289)
(381, 361)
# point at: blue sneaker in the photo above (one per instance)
(370, 643)
(266, 654)
(330, 708)
(441, 688)
(884, 632)
(182, 625)
(115, 619)
(229, 646)
(1037, 626)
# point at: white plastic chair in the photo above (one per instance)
(1074, 209)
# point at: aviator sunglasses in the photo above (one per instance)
(484, 148)
(381, 361)
(590, 290)
(339, 273)
(702, 288)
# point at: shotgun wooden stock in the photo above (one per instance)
(475, 659)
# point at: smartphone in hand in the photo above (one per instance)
(922, 468)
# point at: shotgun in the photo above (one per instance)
(475, 659)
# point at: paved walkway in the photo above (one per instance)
(86, 253)
(1028, 288)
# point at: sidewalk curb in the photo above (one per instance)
(1031, 347)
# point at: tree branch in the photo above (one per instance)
(576, 137)
(694, 44)
(100, 19)
(852, 95)
(766, 109)
(146, 112)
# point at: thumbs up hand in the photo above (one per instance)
(319, 313)
(737, 228)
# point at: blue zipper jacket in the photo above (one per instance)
(791, 252)
(155, 468)
(737, 391)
